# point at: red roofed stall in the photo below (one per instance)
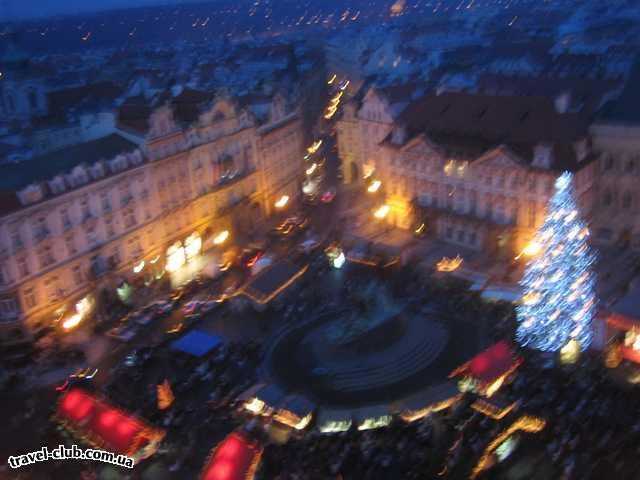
(490, 368)
(104, 426)
(630, 325)
(235, 458)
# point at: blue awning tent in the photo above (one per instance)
(197, 343)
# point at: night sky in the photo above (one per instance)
(18, 9)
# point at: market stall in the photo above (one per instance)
(486, 372)
(102, 425)
(433, 399)
(623, 322)
(295, 411)
(235, 458)
(271, 282)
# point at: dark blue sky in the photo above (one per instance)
(16, 9)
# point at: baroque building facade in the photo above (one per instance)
(94, 215)
(477, 170)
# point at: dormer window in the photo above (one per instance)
(97, 171)
(135, 158)
(79, 175)
(31, 194)
(57, 185)
(399, 136)
(542, 156)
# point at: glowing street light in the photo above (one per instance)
(333, 79)
(221, 237)
(346, 84)
(282, 201)
(311, 169)
(138, 267)
(314, 146)
(72, 322)
(449, 264)
(381, 211)
(374, 187)
(532, 249)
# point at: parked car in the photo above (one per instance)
(311, 200)
(328, 196)
(162, 307)
(308, 245)
(192, 307)
(250, 256)
(123, 332)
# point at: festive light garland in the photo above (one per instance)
(525, 423)
(559, 284)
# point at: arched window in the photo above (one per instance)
(33, 99)
(11, 103)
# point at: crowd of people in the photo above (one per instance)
(592, 426)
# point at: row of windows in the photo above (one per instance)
(626, 166)
(608, 199)
(461, 236)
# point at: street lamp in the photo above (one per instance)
(311, 169)
(282, 201)
(221, 237)
(532, 249)
(374, 187)
(381, 211)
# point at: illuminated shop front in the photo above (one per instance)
(184, 259)
(176, 257)
(192, 246)
(82, 310)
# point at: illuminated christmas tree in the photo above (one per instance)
(559, 301)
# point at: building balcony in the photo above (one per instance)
(126, 200)
(41, 234)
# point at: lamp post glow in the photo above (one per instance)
(138, 267)
(314, 146)
(532, 249)
(221, 237)
(72, 322)
(282, 201)
(311, 169)
(374, 187)
(381, 211)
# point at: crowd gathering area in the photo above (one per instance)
(193, 408)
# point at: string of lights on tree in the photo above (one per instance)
(559, 301)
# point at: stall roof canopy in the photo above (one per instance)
(429, 396)
(490, 364)
(271, 394)
(235, 458)
(625, 313)
(273, 280)
(103, 424)
(298, 405)
(197, 343)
